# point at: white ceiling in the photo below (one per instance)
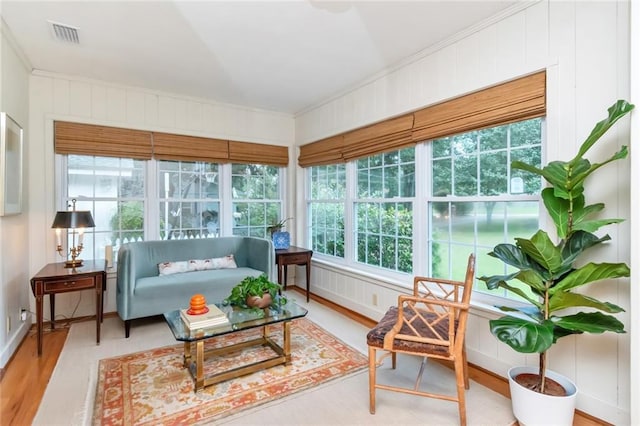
(277, 55)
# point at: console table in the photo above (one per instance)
(54, 278)
(293, 256)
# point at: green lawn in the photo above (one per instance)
(463, 239)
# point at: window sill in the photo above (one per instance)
(482, 305)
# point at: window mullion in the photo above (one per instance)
(152, 202)
(349, 212)
(226, 200)
(421, 221)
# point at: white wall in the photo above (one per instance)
(584, 46)
(14, 274)
(57, 97)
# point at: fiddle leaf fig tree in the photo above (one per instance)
(548, 269)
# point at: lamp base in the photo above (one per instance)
(73, 263)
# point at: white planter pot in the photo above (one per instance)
(533, 408)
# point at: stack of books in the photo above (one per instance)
(214, 318)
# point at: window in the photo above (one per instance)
(477, 200)
(256, 199)
(471, 201)
(189, 197)
(134, 200)
(326, 211)
(113, 189)
(383, 231)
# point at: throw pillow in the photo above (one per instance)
(226, 262)
(168, 268)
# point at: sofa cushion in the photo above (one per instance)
(174, 291)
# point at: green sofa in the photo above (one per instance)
(141, 291)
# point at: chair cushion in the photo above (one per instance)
(375, 337)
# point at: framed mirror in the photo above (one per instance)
(11, 135)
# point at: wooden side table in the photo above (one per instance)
(54, 278)
(293, 256)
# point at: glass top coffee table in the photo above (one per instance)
(239, 320)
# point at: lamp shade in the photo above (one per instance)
(73, 219)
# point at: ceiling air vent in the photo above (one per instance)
(64, 33)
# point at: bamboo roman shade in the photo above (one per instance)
(167, 146)
(103, 141)
(516, 100)
(377, 138)
(325, 151)
(255, 153)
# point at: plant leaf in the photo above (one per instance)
(529, 311)
(516, 164)
(581, 213)
(589, 322)
(493, 282)
(558, 209)
(594, 225)
(511, 255)
(616, 112)
(577, 243)
(500, 281)
(579, 173)
(541, 249)
(523, 335)
(554, 172)
(589, 273)
(565, 300)
(532, 279)
(559, 332)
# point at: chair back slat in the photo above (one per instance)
(436, 313)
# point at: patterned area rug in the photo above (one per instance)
(153, 387)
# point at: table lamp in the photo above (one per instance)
(76, 220)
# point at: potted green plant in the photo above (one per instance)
(547, 273)
(277, 227)
(256, 292)
(281, 239)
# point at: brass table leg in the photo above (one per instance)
(199, 365)
(287, 341)
(187, 355)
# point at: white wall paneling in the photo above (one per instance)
(634, 314)
(584, 48)
(14, 231)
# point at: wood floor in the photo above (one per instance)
(26, 375)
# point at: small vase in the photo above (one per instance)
(259, 302)
(281, 240)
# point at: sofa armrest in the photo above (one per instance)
(125, 279)
(261, 255)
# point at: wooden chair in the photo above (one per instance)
(430, 323)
